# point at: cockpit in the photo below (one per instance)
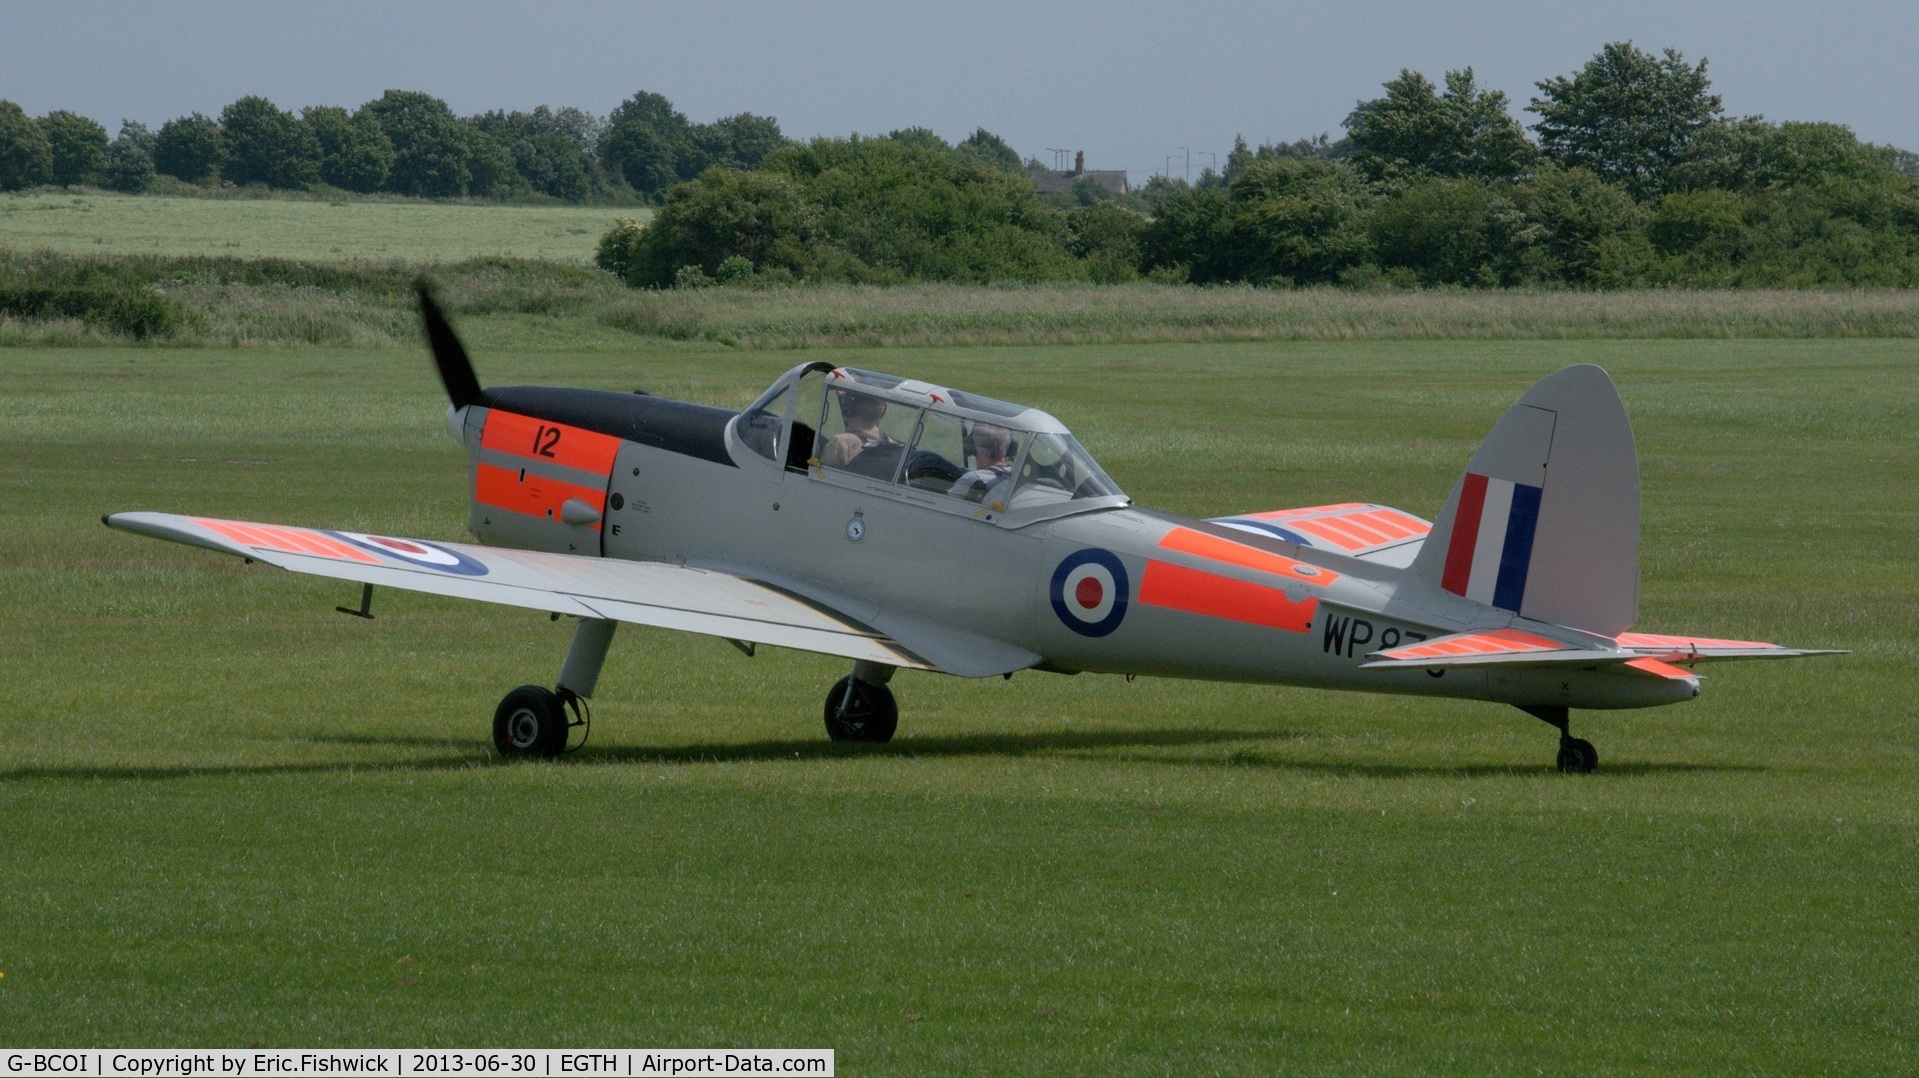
(924, 443)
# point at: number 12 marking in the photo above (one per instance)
(544, 440)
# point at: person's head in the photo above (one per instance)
(990, 444)
(860, 409)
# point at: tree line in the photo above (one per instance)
(405, 142)
(1632, 176)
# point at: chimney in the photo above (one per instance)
(1079, 163)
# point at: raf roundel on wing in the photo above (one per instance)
(1089, 591)
(415, 552)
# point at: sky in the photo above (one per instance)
(1143, 87)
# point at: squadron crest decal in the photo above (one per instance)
(1089, 592)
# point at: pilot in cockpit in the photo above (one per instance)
(992, 469)
(862, 415)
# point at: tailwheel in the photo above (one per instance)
(1577, 756)
(530, 721)
(859, 711)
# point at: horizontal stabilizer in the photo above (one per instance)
(1687, 650)
(1353, 528)
(1493, 647)
(1517, 648)
(727, 605)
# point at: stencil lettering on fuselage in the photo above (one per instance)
(1346, 636)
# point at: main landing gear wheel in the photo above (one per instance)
(857, 711)
(1577, 756)
(530, 721)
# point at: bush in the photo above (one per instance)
(760, 217)
(1442, 231)
(1106, 237)
(619, 247)
(135, 312)
(1281, 221)
(1574, 221)
(902, 208)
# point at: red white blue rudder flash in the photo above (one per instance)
(1545, 521)
(1491, 546)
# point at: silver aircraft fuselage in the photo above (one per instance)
(1171, 596)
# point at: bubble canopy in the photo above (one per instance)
(991, 458)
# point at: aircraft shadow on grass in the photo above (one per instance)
(1086, 745)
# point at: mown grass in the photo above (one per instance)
(235, 816)
(325, 230)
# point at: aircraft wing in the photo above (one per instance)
(714, 603)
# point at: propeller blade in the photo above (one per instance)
(456, 370)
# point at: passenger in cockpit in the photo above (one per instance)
(991, 468)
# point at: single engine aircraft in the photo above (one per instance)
(904, 525)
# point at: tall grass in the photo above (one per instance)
(233, 301)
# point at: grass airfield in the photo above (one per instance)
(347, 227)
(237, 817)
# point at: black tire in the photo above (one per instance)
(868, 715)
(530, 721)
(1577, 756)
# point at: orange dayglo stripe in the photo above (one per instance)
(1317, 526)
(1412, 524)
(1357, 525)
(1526, 641)
(308, 542)
(285, 540)
(1282, 514)
(1384, 524)
(1198, 543)
(1653, 640)
(1654, 666)
(540, 439)
(1196, 592)
(536, 496)
(1491, 642)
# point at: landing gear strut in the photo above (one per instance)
(534, 721)
(860, 707)
(1576, 755)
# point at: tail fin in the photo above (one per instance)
(1545, 520)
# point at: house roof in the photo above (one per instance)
(1046, 181)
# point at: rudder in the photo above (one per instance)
(1545, 520)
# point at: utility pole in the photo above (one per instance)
(1169, 165)
(1215, 158)
(1189, 164)
(1059, 158)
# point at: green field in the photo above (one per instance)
(101, 223)
(236, 817)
